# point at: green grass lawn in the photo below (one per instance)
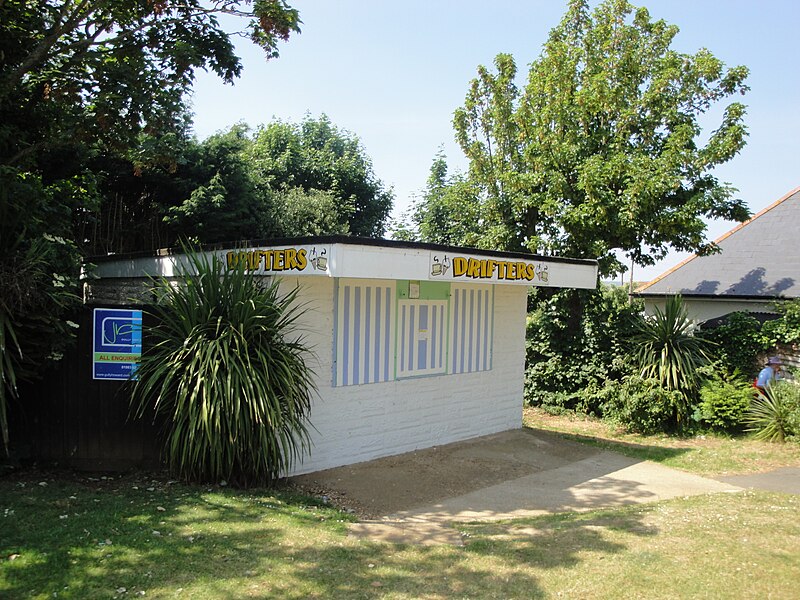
(70, 536)
(707, 455)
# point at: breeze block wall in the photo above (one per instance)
(357, 423)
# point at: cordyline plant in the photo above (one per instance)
(773, 413)
(224, 367)
(665, 350)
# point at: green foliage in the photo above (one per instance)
(448, 212)
(785, 329)
(724, 401)
(775, 415)
(226, 370)
(38, 279)
(81, 83)
(220, 202)
(737, 343)
(566, 371)
(311, 213)
(602, 150)
(316, 155)
(665, 349)
(641, 405)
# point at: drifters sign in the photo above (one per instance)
(415, 264)
(299, 259)
(476, 268)
(353, 259)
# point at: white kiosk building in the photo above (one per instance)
(415, 345)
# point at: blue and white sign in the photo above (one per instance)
(117, 343)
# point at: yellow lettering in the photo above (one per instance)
(459, 266)
(301, 259)
(530, 272)
(474, 268)
(291, 259)
(279, 258)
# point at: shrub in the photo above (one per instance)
(641, 405)
(786, 328)
(774, 415)
(665, 350)
(567, 362)
(737, 343)
(724, 401)
(225, 368)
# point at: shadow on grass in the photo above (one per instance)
(75, 542)
(653, 453)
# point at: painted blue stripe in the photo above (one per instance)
(442, 342)
(387, 329)
(356, 337)
(470, 347)
(403, 338)
(377, 356)
(434, 335)
(486, 332)
(455, 331)
(422, 346)
(463, 327)
(346, 338)
(367, 325)
(411, 317)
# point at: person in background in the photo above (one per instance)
(768, 374)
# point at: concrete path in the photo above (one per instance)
(415, 497)
(786, 479)
(604, 480)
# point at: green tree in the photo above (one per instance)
(219, 198)
(301, 213)
(80, 79)
(449, 211)
(316, 155)
(602, 150)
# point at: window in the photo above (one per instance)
(423, 328)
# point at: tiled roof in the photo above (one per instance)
(759, 258)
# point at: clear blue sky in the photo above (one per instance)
(393, 73)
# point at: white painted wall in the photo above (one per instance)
(703, 309)
(362, 422)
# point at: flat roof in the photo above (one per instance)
(366, 258)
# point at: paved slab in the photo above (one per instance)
(786, 479)
(415, 497)
(604, 480)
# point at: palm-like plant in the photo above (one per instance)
(665, 350)
(773, 412)
(225, 368)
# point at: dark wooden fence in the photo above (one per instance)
(70, 419)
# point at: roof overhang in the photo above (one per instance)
(340, 256)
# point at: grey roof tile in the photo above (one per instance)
(760, 257)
